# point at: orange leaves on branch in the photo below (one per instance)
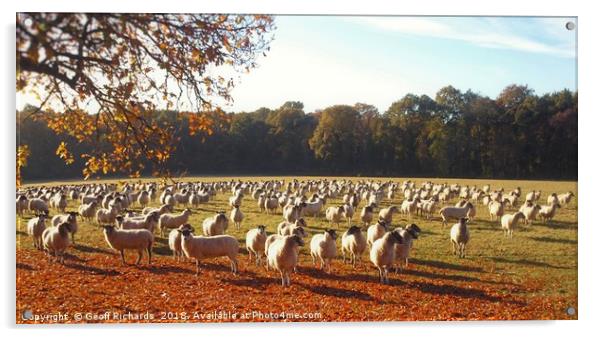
(22, 155)
(64, 153)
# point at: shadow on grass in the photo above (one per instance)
(554, 240)
(430, 275)
(445, 289)
(90, 249)
(528, 263)
(24, 266)
(337, 292)
(254, 281)
(553, 224)
(92, 270)
(21, 233)
(445, 265)
(162, 270)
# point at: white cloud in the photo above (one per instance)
(487, 33)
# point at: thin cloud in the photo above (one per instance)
(470, 31)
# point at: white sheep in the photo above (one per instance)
(353, 242)
(21, 204)
(201, 247)
(106, 216)
(130, 239)
(37, 205)
(283, 255)
(335, 214)
(376, 231)
(565, 198)
(348, 212)
(56, 240)
(324, 247)
(496, 209)
(547, 212)
(215, 225)
(161, 210)
(35, 228)
(148, 222)
(409, 206)
(509, 222)
(460, 235)
(367, 214)
(386, 214)
(454, 212)
(236, 216)
(169, 220)
(530, 211)
(71, 218)
(314, 207)
(87, 211)
(175, 241)
(286, 228)
(143, 198)
(382, 254)
(553, 199)
(402, 251)
(255, 243)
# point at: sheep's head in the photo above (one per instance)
(353, 229)
(261, 229)
(332, 233)
(298, 240)
(119, 219)
(414, 230)
(186, 226)
(186, 233)
(520, 215)
(108, 228)
(463, 221)
(300, 232)
(301, 222)
(397, 238)
(187, 211)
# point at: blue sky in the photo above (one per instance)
(327, 60)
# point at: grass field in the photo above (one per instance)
(531, 276)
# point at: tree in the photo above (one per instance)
(123, 65)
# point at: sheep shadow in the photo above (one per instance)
(163, 270)
(451, 290)
(162, 250)
(90, 249)
(553, 240)
(527, 263)
(337, 292)
(73, 257)
(92, 270)
(445, 265)
(21, 233)
(24, 266)
(460, 278)
(159, 239)
(255, 282)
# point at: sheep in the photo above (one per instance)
(35, 228)
(143, 198)
(496, 209)
(106, 216)
(459, 236)
(255, 243)
(21, 204)
(283, 255)
(314, 207)
(547, 212)
(335, 214)
(382, 254)
(271, 204)
(348, 212)
(201, 247)
(37, 205)
(386, 214)
(402, 251)
(59, 202)
(409, 206)
(161, 210)
(236, 200)
(376, 231)
(353, 242)
(129, 239)
(175, 241)
(87, 211)
(71, 218)
(427, 207)
(509, 222)
(454, 212)
(286, 228)
(565, 198)
(472, 213)
(292, 212)
(324, 247)
(56, 240)
(236, 216)
(553, 199)
(169, 220)
(148, 222)
(530, 211)
(215, 225)
(367, 214)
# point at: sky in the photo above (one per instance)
(327, 60)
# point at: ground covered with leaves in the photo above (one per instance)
(532, 276)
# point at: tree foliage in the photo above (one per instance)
(515, 135)
(126, 67)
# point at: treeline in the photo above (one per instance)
(455, 134)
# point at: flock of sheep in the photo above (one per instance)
(389, 248)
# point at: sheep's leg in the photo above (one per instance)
(122, 258)
(149, 251)
(407, 260)
(249, 251)
(345, 257)
(139, 257)
(283, 278)
(198, 267)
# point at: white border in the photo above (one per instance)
(589, 163)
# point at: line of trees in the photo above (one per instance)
(455, 134)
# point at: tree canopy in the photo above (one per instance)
(125, 67)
